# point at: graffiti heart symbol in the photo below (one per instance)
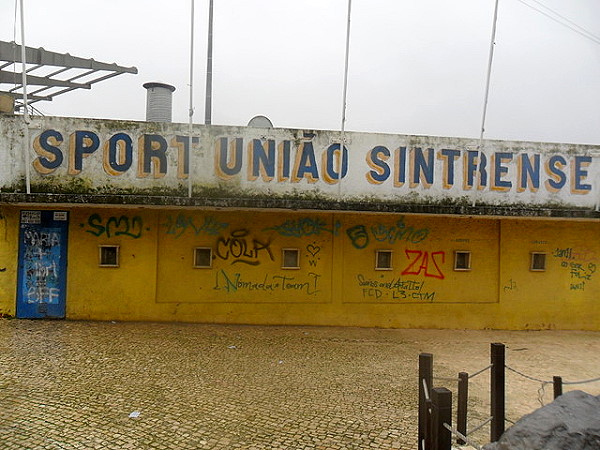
(313, 249)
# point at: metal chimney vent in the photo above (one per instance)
(159, 99)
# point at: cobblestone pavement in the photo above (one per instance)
(75, 385)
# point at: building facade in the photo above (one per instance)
(128, 221)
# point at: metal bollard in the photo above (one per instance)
(497, 391)
(557, 383)
(442, 413)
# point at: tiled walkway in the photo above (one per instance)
(68, 385)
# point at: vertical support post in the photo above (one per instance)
(26, 118)
(425, 379)
(461, 406)
(497, 388)
(442, 413)
(344, 96)
(209, 61)
(557, 382)
(191, 109)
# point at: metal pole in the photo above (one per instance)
(425, 381)
(344, 95)
(461, 406)
(208, 98)
(486, 95)
(191, 109)
(26, 117)
(497, 389)
(489, 73)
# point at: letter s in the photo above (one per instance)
(51, 156)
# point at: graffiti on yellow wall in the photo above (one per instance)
(182, 223)
(425, 263)
(360, 235)
(239, 247)
(123, 225)
(581, 264)
(510, 286)
(236, 282)
(393, 288)
(304, 227)
(312, 252)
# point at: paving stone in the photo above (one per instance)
(72, 385)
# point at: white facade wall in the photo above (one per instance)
(137, 157)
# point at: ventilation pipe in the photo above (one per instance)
(159, 100)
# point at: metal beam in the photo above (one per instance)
(41, 56)
(13, 78)
(33, 98)
(38, 58)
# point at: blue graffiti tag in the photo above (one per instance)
(360, 235)
(398, 232)
(179, 225)
(304, 227)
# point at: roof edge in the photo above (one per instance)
(119, 200)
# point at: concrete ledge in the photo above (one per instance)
(41, 199)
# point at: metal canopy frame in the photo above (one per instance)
(54, 73)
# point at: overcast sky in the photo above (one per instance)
(416, 66)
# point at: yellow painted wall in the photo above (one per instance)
(123, 293)
(247, 258)
(336, 283)
(9, 237)
(566, 295)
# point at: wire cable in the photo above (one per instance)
(473, 375)
(566, 19)
(576, 28)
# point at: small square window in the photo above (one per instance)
(203, 257)
(291, 258)
(383, 260)
(538, 262)
(462, 260)
(109, 256)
